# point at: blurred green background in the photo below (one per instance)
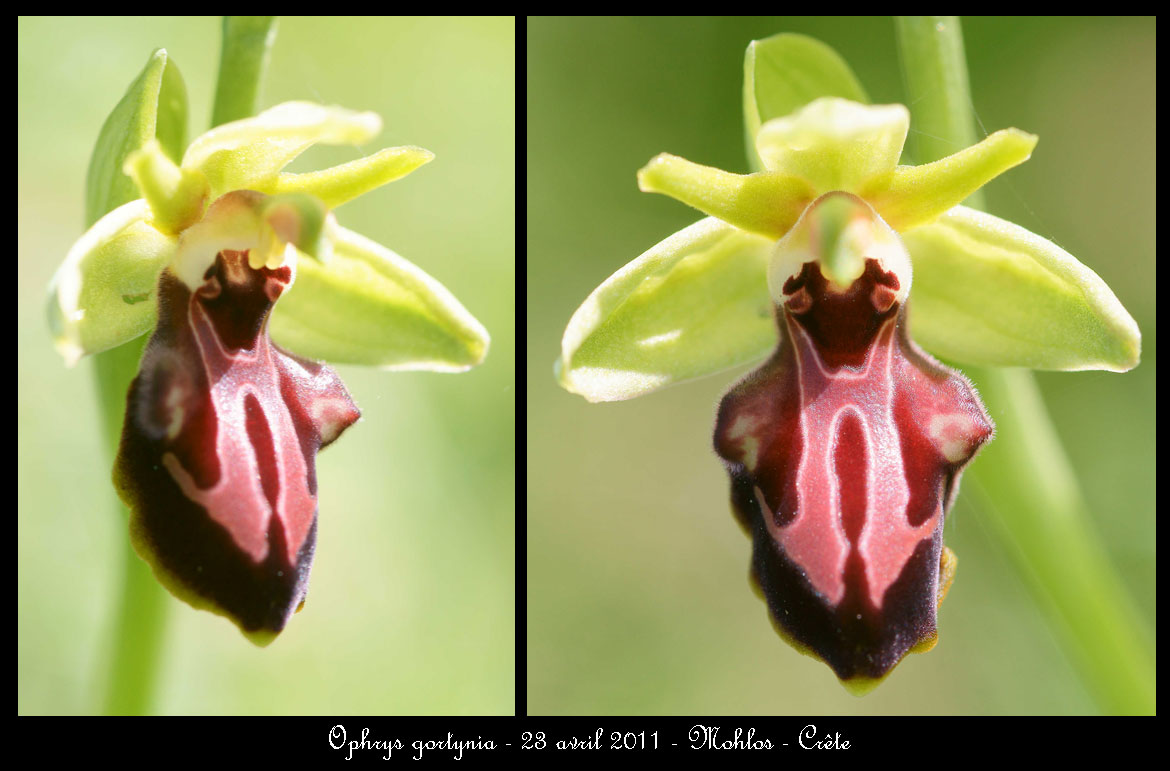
(411, 608)
(638, 599)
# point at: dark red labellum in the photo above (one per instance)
(845, 450)
(218, 455)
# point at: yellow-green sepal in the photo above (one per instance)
(367, 305)
(783, 73)
(103, 294)
(248, 154)
(835, 144)
(694, 304)
(989, 292)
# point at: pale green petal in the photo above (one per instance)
(989, 292)
(248, 154)
(694, 304)
(103, 294)
(367, 305)
(835, 144)
(343, 183)
(302, 220)
(785, 72)
(915, 195)
(176, 196)
(766, 203)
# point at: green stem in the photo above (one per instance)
(140, 629)
(1029, 489)
(142, 611)
(247, 41)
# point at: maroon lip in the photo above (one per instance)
(844, 451)
(217, 458)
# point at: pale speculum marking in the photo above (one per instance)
(238, 500)
(816, 538)
(864, 444)
(246, 397)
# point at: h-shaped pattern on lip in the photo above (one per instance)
(844, 450)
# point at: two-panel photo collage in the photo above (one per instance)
(541, 378)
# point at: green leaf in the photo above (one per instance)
(785, 72)
(102, 295)
(155, 106)
(367, 305)
(934, 73)
(989, 292)
(694, 304)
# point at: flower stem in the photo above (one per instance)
(142, 612)
(1028, 488)
(247, 41)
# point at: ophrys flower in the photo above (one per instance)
(217, 460)
(844, 492)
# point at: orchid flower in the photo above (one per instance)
(220, 249)
(843, 267)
